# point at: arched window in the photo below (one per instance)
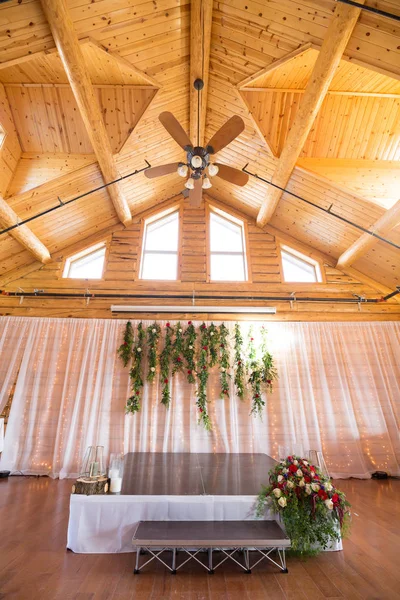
(227, 247)
(160, 247)
(88, 264)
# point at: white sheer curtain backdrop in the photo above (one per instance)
(338, 391)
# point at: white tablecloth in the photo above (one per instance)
(106, 524)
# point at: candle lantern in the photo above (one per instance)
(92, 478)
(116, 472)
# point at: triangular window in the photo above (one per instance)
(88, 264)
(299, 268)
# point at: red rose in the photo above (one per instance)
(204, 347)
(137, 393)
(179, 359)
(293, 468)
(269, 380)
(167, 325)
(239, 362)
(307, 479)
(335, 498)
(125, 343)
(316, 477)
(189, 322)
(221, 346)
(312, 468)
(204, 367)
(257, 396)
(165, 380)
(200, 409)
(290, 457)
(322, 494)
(252, 339)
(226, 392)
(189, 371)
(203, 326)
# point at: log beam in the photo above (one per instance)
(68, 47)
(26, 237)
(389, 220)
(338, 34)
(200, 42)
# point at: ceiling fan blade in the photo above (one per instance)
(175, 129)
(161, 170)
(232, 175)
(226, 134)
(196, 194)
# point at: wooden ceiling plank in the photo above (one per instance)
(200, 43)
(338, 34)
(72, 58)
(8, 218)
(389, 220)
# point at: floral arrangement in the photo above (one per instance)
(313, 511)
(193, 352)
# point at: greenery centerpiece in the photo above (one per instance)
(313, 511)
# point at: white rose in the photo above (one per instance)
(308, 488)
(282, 502)
(315, 487)
(284, 470)
(280, 477)
(302, 482)
(329, 504)
(299, 473)
(329, 487)
(277, 492)
(290, 485)
(152, 369)
(180, 330)
(305, 463)
(222, 369)
(296, 462)
(190, 347)
(153, 330)
(312, 474)
(283, 462)
(139, 349)
(211, 333)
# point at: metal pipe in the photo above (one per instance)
(61, 203)
(392, 294)
(371, 9)
(325, 210)
(354, 300)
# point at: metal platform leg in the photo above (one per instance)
(136, 570)
(173, 572)
(210, 562)
(247, 560)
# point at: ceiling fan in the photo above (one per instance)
(198, 165)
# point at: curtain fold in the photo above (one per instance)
(338, 391)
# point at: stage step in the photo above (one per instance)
(193, 536)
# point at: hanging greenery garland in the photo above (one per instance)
(269, 371)
(202, 375)
(238, 362)
(165, 363)
(189, 351)
(178, 350)
(125, 350)
(255, 374)
(153, 335)
(135, 374)
(213, 341)
(224, 360)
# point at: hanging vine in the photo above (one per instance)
(213, 339)
(178, 350)
(238, 362)
(189, 352)
(165, 363)
(255, 374)
(153, 335)
(269, 370)
(135, 373)
(224, 361)
(125, 349)
(202, 375)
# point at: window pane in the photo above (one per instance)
(225, 267)
(225, 236)
(163, 234)
(160, 266)
(296, 269)
(88, 267)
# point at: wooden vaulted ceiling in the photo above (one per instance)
(262, 55)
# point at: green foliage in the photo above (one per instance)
(189, 351)
(178, 350)
(269, 372)
(224, 360)
(254, 370)
(238, 363)
(135, 373)
(165, 364)
(202, 375)
(313, 511)
(153, 335)
(213, 341)
(125, 350)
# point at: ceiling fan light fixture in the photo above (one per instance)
(189, 184)
(182, 170)
(206, 184)
(196, 162)
(212, 170)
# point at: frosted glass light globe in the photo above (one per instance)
(206, 184)
(213, 170)
(182, 170)
(189, 184)
(196, 162)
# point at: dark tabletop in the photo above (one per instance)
(184, 473)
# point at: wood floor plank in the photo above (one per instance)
(34, 563)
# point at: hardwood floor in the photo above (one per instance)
(35, 565)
